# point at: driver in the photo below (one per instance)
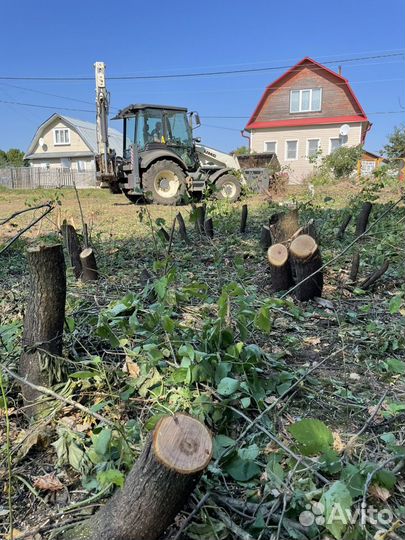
(157, 134)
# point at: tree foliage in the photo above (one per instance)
(240, 151)
(12, 158)
(396, 143)
(343, 161)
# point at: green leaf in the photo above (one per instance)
(249, 453)
(242, 470)
(386, 479)
(83, 374)
(101, 441)
(228, 386)
(113, 476)
(263, 320)
(396, 366)
(337, 502)
(312, 435)
(395, 304)
(75, 456)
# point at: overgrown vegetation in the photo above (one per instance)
(305, 401)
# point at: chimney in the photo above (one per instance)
(340, 70)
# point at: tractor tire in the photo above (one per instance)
(227, 187)
(164, 183)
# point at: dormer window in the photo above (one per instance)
(306, 100)
(61, 136)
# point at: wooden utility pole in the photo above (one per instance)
(44, 318)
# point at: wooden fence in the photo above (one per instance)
(36, 177)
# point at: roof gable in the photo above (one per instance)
(297, 68)
(85, 130)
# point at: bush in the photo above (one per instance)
(343, 161)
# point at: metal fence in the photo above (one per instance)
(36, 177)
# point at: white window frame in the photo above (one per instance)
(300, 109)
(286, 150)
(313, 139)
(61, 143)
(344, 142)
(275, 147)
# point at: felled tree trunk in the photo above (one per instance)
(243, 219)
(44, 318)
(280, 271)
(363, 217)
(157, 487)
(89, 265)
(305, 260)
(182, 228)
(284, 227)
(72, 244)
(265, 237)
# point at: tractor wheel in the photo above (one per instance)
(164, 182)
(227, 187)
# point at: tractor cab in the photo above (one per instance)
(157, 127)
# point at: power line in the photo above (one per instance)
(46, 106)
(46, 93)
(199, 74)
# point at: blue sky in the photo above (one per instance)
(64, 39)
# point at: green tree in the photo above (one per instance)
(396, 143)
(241, 151)
(343, 161)
(15, 157)
(3, 158)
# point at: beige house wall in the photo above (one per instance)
(55, 163)
(76, 143)
(300, 168)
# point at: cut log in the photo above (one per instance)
(89, 265)
(265, 237)
(355, 267)
(182, 228)
(363, 217)
(280, 271)
(366, 284)
(209, 228)
(285, 226)
(43, 322)
(305, 259)
(243, 218)
(342, 229)
(157, 487)
(73, 247)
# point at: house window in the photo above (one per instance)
(65, 163)
(291, 150)
(270, 146)
(307, 100)
(81, 166)
(336, 143)
(312, 147)
(61, 136)
(367, 167)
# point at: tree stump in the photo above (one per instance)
(363, 217)
(163, 234)
(284, 227)
(243, 219)
(200, 218)
(305, 260)
(89, 265)
(158, 485)
(265, 237)
(209, 228)
(354, 269)
(347, 219)
(73, 247)
(280, 271)
(182, 228)
(44, 319)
